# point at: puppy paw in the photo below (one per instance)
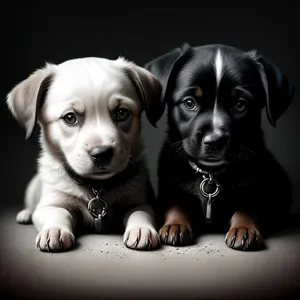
(176, 235)
(244, 239)
(141, 238)
(24, 216)
(54, 240)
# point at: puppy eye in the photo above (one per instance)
(122, 114)
(190, 104)
(70, 118)
(241, 105)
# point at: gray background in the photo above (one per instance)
(35, 34)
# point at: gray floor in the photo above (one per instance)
(100, 267)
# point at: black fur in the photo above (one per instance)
(251, 179)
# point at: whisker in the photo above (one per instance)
(133, 158)
(242, 153)
(132, 163)
(176, 144)
(248, 150)
(232, 156)
(178, 150)
(182, 153)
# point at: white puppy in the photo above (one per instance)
(91, 170)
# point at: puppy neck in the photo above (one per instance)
(103, 184)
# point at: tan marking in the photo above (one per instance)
(198, 92)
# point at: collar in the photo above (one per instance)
(202, 171)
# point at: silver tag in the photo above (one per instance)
(208, 207)
(99, 223)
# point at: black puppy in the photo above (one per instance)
(214, 168)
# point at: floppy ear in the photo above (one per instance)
(27, 96)
(149, 90)
(279, 90)
(166, 65)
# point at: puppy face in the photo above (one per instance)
(89, 111)
(215, 95)
(216, 103)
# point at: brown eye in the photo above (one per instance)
(122, 114)
(190, 104)
(241, 105)
(70, 118)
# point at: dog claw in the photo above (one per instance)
(60, 243)
(181, 238)
(166, 236)
(54, 240)
(141, 238)
(48, 246)
(245, 240)
(257, 241)
(173, 240)
(38, 245)
(233, 239)
(136, 242)
(149, 243)
(176, 235)
(226, 237)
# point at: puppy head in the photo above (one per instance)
(89, 110)
(215, 94)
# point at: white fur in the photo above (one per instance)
(218, 70)
(218, 66)
(92, 86)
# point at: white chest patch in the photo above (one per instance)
(218, 66)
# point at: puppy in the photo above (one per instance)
(91, 170)
(215, 172)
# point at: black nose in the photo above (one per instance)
(102, 154)
(215, 142)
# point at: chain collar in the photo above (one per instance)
(197, 169)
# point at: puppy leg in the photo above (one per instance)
(176, 230)
(55, 226)
(32, 196)
(243, 233)
(140, 232)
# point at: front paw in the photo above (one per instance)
(55, 240)
(176, 235)
(141, 238)
(244, 239)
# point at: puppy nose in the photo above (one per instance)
(214, 142)
(103, 154)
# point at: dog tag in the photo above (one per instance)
(208, 207)
(98, 223)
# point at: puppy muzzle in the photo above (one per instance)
(101, 156)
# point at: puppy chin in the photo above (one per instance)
(101, 175)
(211, 165)
(107, 172)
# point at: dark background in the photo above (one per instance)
(47, 32)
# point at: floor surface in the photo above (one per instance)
(100, 267)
